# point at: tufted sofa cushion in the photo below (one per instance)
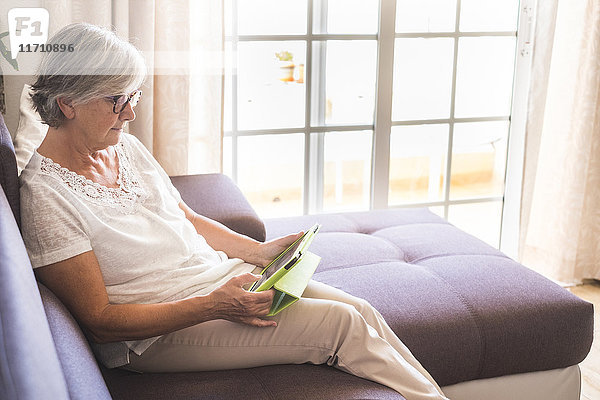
(464, 309)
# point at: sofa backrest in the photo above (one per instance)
(29, 364)
(216, 196)
(43, 352)
(8, 171)
(82, 374)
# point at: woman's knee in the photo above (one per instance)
(321, 290)
(363, 305)
(348, 316)
(328, 314)
(364, 308)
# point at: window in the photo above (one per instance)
(334, 105)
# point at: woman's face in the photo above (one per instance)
(98, 126)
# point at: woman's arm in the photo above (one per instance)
(78, 283)
(235, 245)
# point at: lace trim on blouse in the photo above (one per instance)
(123, 198)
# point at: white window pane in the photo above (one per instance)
(425, 16)
(484, 76)
(481, 220)
(346, 16)
(350, 79)
(417, 163)
(422, 78)
(271, 173)
(488, 15)
(267, 98)
(347, 171)
(271, 17)
(228, 156)
(478, 159)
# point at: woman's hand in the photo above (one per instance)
(235, 304)
(268, 251)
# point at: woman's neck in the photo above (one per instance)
(98, 165)
(62, 144)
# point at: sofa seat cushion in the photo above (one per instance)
(290, 382)
(466, 310)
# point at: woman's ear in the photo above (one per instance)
(66, 106)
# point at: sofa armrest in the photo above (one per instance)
(217, 197)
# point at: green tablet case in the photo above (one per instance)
(291, 286)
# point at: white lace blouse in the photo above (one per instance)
(147, 250)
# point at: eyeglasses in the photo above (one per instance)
(120, 101)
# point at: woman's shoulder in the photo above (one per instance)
(32, 176)
(33, 182)
(41, 179)
(42, 195)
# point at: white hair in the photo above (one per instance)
(99, 65)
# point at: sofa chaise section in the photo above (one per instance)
(466, 310)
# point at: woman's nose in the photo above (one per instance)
(127, 114)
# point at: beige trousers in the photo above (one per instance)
(326, 326)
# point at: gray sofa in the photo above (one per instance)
(469, 313)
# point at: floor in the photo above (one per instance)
(590, 367)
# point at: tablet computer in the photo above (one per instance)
(285, 261)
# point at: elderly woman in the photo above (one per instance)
(156, 286)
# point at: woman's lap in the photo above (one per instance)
(306, 332)
(336, 328)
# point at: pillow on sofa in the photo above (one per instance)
(30, 132)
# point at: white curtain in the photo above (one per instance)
(180, 116)
(560, 224)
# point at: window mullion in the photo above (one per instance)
(448, 177)
(380, 171)
(317, 107)
(309, 174)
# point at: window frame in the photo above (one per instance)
(312, 191)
